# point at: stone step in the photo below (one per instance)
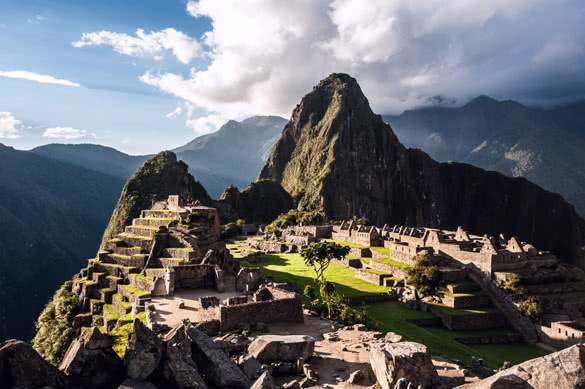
(113, 243)
(142, 230)
(99, 278)
(554, 287)
(469, 319)
(106, 295)
(121, 305)
(172, 261)
(153, 221)
(463, 287)
(95, 306)
(161, 213)
(132, 293)
(137, 260)
(136, 240)
(128, 250)
(115, 270)
(186, 253)
(465, 300)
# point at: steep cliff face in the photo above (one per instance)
(159, 177)
(260, 202)
(336, 155)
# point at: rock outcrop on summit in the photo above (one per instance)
(336, 155)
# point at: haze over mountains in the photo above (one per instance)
(56, 200)
(544, 146)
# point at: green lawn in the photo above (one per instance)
(291, 267)
(344, 243)
(393, 316)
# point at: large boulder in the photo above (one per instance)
(22, 367)
(134, 384)
(282, 348)
(265, 381)
(564, 369)
(179, 368)
(144, 352)
(219, 370)
(91, 362)
(409, 360)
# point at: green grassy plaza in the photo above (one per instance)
(395, 316)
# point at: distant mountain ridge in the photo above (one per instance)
(542, 145)
(337, 156)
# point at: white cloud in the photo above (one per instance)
(67, 133)
(265, 55)
(143, 44)
(37, 19)
(206, 124)
(172, 115)
(42, 78)
(9, 126)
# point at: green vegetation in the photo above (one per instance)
(54, 331)
(118, 297)
(424, 276)
(390, 261)
(394, 316)
(174, 259)
(382, 250)
(295, 217)
(134, 290)
(344, 243)
(110, 312)
(374, 271)
(531, 308)
(141, 276)
(291, 267)
(230, 230)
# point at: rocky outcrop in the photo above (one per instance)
(133, 384)
(91, 362)
(179, 368)
(260, 202)
(23, 367)
(564, 369)
(219, 370)
(282, 348)
(159, 177)
(337, 156)
(265, 381)
(144, 352)
(393, 361)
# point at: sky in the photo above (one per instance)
(148, 75)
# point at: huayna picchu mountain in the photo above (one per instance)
(337, 156)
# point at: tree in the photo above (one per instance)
(424, 276)
(318, 255)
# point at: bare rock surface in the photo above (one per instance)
(564, 369)
(179, 368)
(219, 370)
(265, 381)
(91, 362)
(277, 348)
(392, 361)
(144, 352)
(134, 384)
(22, 367)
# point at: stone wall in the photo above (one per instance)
(360, 252)
(319, 232)
(396, 271)
(140, 282)
(376, 279)
(286, 307)
(194, 276)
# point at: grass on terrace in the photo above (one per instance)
(394, 316)
(291, 267)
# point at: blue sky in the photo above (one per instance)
(37, 36)
(142, 76)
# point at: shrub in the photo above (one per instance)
(310, 292)
(54, 325)
(230, 230)
(295, 217)
(240, 222)
(511, 285)
(531, 308)
(424, 276)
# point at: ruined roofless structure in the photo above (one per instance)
(488, 254)
(172, 248)
(350, 231)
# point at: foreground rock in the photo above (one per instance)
(393, 361)
(91, 362)
(134, 384)
(22, 367)
(144, 352)
(564, 369)
(219, 370)
(265, 381)
(282, 348)
(179, 368)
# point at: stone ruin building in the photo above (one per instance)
(171, 248)
(350, 231)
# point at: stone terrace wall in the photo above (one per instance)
(286, 307)
(319, 232)
(194, 276)
(396, 271)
